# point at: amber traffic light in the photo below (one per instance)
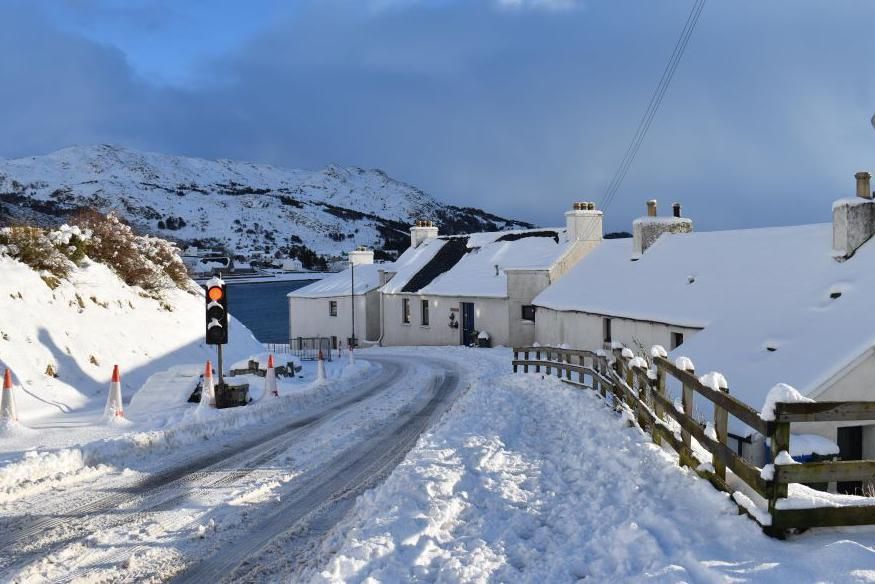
(217, 313)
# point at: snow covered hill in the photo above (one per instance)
(62, 343)
(250, 209)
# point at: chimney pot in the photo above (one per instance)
(651, 208)
(676, 209)
(863, 189)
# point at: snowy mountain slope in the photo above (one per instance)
(248, 208)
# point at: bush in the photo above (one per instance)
(32, 246)
(148, 262)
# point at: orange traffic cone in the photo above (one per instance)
(7, 403)
(114, 408)
(320, 368)
(208, 388)
(270, 386)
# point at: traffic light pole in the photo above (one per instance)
(220, 365)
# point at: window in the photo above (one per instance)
(405, 310)
(529, 312)
(677, 339)
(334, 343)
(332, 308)
(606, 330)
(425, 313)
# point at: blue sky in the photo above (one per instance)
(517, 106)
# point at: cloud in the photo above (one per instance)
(519, 109)
(539, 4)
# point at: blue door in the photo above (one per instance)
(468, 323)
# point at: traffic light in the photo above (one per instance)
(217, 312)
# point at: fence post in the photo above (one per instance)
(721, 427)
(526, 366)
(780, 441)
(538, 359)
(644, 389)
(660, 389)
(687, 400)
(630, 381)
(516, 356)
(618, 368)
(603, 370)
(548, 369)
(568, 369)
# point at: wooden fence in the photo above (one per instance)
(626, 383)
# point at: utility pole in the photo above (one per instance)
(352, 342)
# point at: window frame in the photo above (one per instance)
(675, 337)
(424, 316)
(607, 330)
(405, 311)
(332, 308)
(528, 308)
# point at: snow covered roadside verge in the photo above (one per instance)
(38, 470)
(527, 479)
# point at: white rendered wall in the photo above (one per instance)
(490, 315)
(582, 330)
(309, 317)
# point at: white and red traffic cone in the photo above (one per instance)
(320, 368)
(8, 413)
(114, 408)
(208, 388)
(270, 386)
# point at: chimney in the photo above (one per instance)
(853, 220)
(864, 191)
(361, 256)
(646, 230)
(583, 223)
(422, 231)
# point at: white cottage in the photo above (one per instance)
(762, 306)
(454, 290)
(325, 308)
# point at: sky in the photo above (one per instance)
(517, 106)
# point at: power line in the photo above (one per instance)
(653, 105)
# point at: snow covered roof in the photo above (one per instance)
(466, 265)
(367, 278)
(775, 305)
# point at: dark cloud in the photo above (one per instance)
(494, 104)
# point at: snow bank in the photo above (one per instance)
(62, 343)
(512, 487)
(715, 381)
(781, 393)
(808, 444)
(684, 363)
(37, 470)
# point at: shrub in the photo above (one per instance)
(148, 262)
(32, 246)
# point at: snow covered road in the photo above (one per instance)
(211, 507)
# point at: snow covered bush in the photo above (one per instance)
(148, 262)
(71, 241)
(34, 247)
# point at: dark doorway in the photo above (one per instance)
(850, 441)
(468, 323)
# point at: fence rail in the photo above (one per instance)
(309, 348)
(626, 383)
